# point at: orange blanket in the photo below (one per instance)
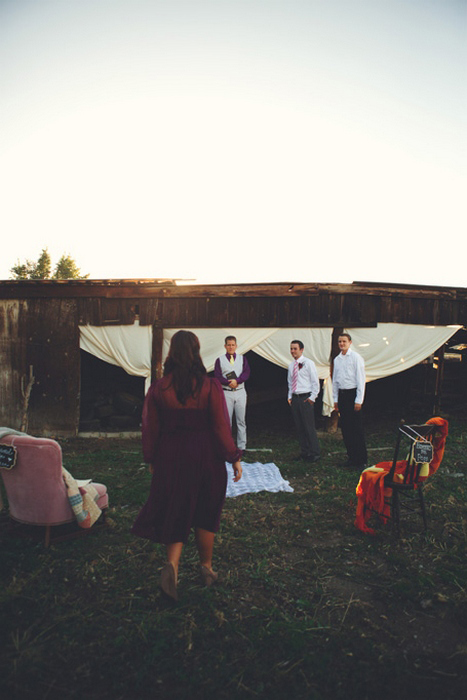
(371, 490)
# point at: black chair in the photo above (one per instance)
(406, 488)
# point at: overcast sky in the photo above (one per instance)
(236, 140)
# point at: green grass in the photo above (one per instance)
(306, 605)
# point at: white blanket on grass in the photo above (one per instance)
(256, 477)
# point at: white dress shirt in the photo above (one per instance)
(349, 373)
(307, 378)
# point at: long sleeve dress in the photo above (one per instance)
(188, 446)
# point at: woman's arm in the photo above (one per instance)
(150, 426)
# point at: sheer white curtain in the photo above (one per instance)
(387, 349)
(394, 347)
(273, 344)
(317, 342)
(212, 341)
(129, 347)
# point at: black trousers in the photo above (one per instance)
(352, 427)
(303, 413)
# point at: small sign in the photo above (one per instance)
(423, 452)
(7, 456)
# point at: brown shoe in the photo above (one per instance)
(208, 575)
(168, 581)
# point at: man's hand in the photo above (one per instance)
(357, 407)
(233, 383)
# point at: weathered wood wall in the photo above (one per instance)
(13, 364)
(41, 334)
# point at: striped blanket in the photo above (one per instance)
(83, 498)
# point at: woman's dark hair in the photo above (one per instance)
(185, 365)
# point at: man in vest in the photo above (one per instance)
(232, 370)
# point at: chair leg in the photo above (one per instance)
(47, 535)
(396, 512)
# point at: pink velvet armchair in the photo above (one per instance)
(35, 486)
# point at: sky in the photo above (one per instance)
(236, 141)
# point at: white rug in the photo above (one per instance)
(256, 477)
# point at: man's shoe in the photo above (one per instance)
(316, 458)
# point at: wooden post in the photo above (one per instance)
(156, 360)
(438, 364)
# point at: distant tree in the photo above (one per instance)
(65, 269)
(24, 271)
(30, 270)
(43, 266)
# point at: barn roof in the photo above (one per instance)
(168, 302)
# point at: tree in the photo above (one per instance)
(30, 270)
(24, 271)
(43, 266)
(65, 269)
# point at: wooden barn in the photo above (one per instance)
(40, 322)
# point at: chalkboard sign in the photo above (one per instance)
(7, 456)
(423, 452)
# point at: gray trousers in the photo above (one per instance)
(236, 405)
(303, 413)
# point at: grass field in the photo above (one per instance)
(306, 605)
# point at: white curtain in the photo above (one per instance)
(273, 344)
(129, 347)
(394, 347)
(317, 342)
(387, 349)
(212, 341)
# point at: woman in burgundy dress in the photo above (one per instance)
(186, 441)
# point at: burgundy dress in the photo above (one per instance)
(188, 446)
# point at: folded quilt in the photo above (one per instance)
(83, 498)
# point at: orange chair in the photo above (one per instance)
(389, 487)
